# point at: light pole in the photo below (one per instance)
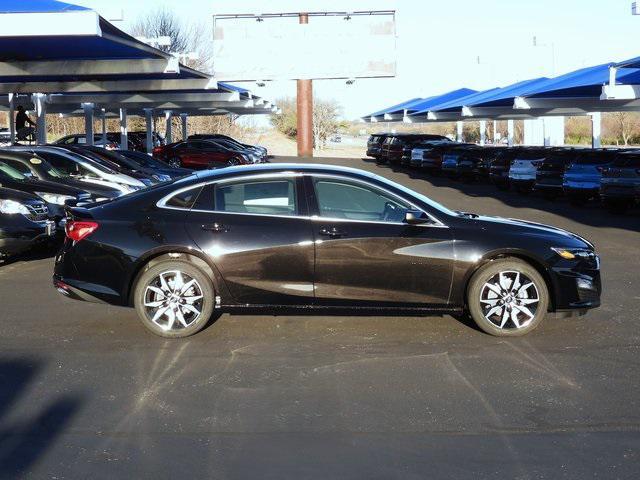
(553, 52)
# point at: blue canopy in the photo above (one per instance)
(453, 105)
(585, 83)
(631, 63)
(400, 107)
(452, 96)
(39, 6)
(503, 97)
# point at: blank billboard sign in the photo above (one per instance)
(277, 47)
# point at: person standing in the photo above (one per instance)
(22, 119)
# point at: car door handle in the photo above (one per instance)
(332, 232)
(215, 227)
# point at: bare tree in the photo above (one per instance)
(325, 121)
(163, 22)
(624, 125)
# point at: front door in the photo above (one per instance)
(257, 232)
(366, 254)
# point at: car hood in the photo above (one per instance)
(17, 195)
(562, 238)
(42, 186)
(92, 188)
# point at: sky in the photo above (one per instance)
(441, 45)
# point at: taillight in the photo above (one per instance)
(77, 230)
(157, 150)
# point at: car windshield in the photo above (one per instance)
(145, 160)
(8, 171)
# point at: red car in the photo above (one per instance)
(198, 154)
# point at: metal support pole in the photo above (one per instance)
(494, 139)
(88, 122)
(510, 132)
(185, 126)
(459, 132)
(39, 100)
(596, 129)
(12, 117)
(124, 132)
(148, 116)
(483, 132)
(104, 127)
(305, 110)
(168, 136)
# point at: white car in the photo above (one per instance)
(522, 174)
(85, 169)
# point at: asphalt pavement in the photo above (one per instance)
(87, 392)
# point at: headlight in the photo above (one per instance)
(101, 199)
(575, 253)
(54, 198)
(11, 207)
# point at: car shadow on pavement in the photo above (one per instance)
(38, 252)
(591, 214)
(27, 432)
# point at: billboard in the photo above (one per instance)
(332, 45)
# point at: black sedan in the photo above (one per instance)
(24, 221)
(55, 195)
(267, 236)
(147, 161)
(32, 165)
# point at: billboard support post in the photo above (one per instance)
(304, 105)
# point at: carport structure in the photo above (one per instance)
(66, 59)
(581, 92)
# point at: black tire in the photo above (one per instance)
(187, 269)
(476, 288)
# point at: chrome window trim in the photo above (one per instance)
(162, 203)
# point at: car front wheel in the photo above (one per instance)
(507, 297)
(174, 299)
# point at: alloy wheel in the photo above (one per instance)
(173, 300)
(509, 300)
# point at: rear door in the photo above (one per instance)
(257, 232)
(366, 254)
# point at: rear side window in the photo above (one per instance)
(258, 197)
(184, 200)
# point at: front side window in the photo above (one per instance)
(10, 172)
(356, 201)
(19, 166)
(259, 197)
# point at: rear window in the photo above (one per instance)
(184, 199)
(595, 158)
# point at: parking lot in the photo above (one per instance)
(89, 392)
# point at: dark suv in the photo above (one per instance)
(620, 185)
(500, 165)
(393, 146)
(374, 144)
(550, 174)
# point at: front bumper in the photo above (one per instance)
(578, 284)
(15, 239)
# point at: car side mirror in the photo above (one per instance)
(416, 217)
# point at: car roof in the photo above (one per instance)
(281, 167)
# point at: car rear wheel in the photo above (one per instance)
(175, 162)
(507, 298)
(174, 299)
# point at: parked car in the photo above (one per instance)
(258, 149)
(451, 158)
(137, 140)
(248, 237)
(252, 155)
(432, 157)
(24, 222)
(374, 144)
(145, 177)
(500, 165)
(392, 148)
(419, 151)
(550, 173)
(126, 163)
(84, 169)
(55, 195)
(473, 162)
(30, 164)
(583, 176)
(524, 168)
(199, 154)
(620, 185)
(159, 166)
(81, 139)
(410, 144)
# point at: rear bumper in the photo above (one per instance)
(620, 191)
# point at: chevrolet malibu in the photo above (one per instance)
(312, 236)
